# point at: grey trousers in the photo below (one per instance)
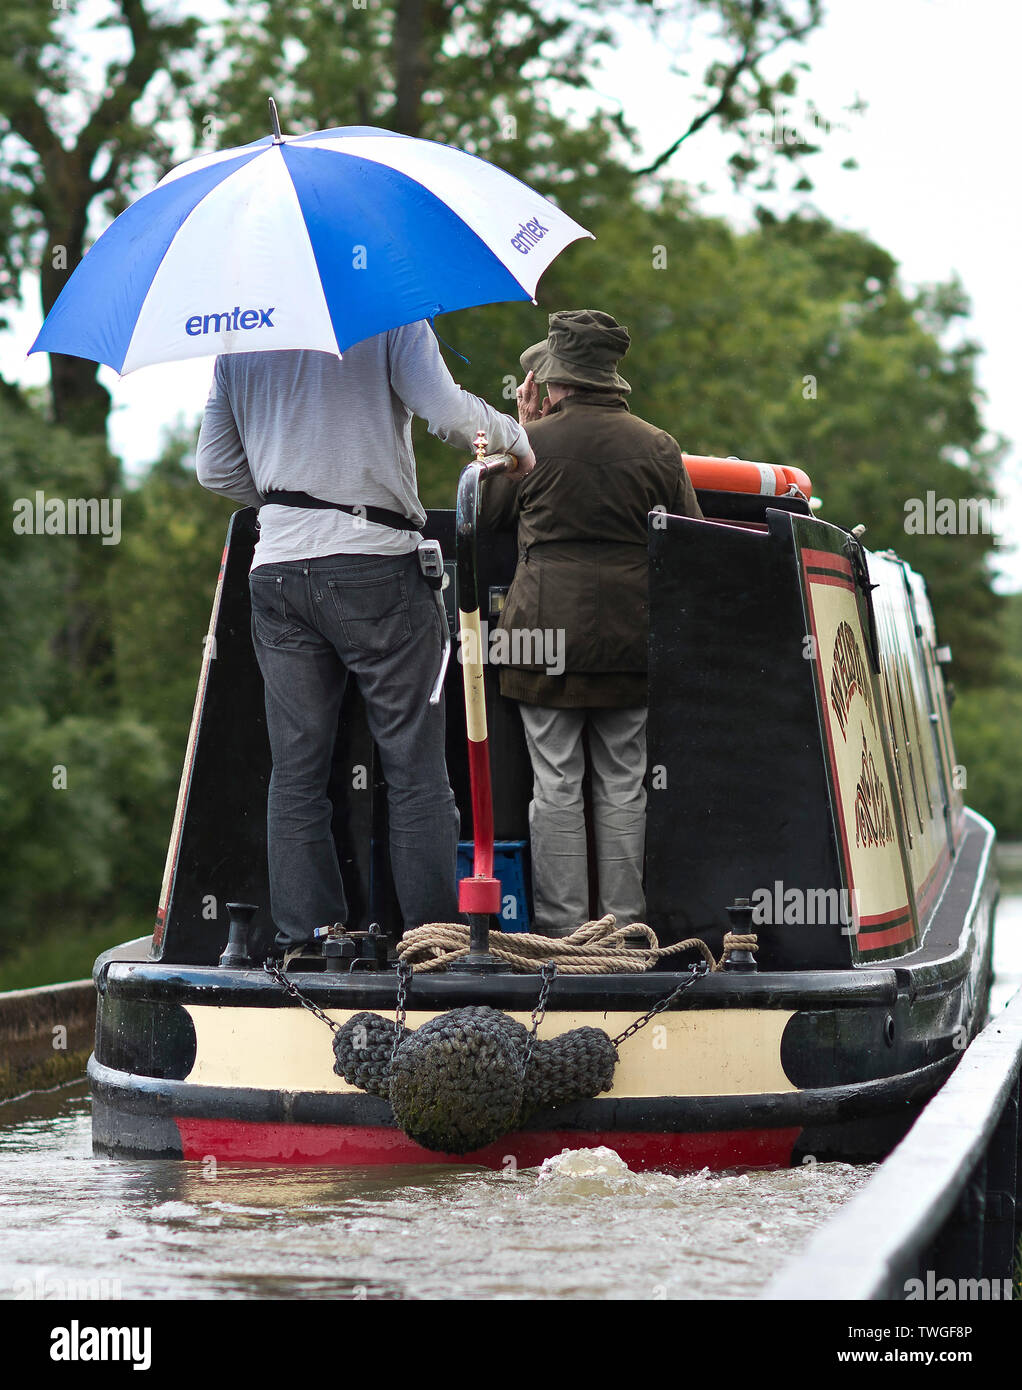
(617, 746)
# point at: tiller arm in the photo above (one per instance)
(478, 896)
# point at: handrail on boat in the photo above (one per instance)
(940, 1217)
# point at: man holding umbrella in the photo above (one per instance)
(337, 589)
(279, 256)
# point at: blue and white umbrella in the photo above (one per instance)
(314, 241)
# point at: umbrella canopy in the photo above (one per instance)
(315, 241)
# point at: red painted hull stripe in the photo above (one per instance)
(372, 1145)
(825, 559)
(834, 580)
(873, 940)
(896, 916)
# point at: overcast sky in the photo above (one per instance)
(937, 186)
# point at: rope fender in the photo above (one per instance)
(471, 1075)
(460, 1081)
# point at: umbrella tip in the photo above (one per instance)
(275, 120)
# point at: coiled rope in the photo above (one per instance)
(595, 948)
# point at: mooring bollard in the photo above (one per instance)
(236, 956)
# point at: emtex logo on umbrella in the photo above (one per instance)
(529, 233)
(229, 320)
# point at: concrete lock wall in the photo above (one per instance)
(46, 1035)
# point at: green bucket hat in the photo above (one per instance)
(582, 348)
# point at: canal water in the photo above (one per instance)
(580, 1227)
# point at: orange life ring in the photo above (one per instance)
(739, 475)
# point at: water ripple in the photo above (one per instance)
(582, 1226)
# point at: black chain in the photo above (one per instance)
(548, 971)
(295, 993)
(698, 971)
(404, 975)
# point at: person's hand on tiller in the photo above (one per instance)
(524, 463)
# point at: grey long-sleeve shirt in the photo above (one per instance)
(339, 429)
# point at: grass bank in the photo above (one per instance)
(60, 956)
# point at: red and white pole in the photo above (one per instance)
(478, 896)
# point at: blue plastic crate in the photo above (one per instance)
(511, 869)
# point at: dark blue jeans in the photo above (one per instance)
(314, 622)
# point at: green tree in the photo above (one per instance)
(59, 173)
(161, 585)
(78, 839)
(988, 734)
(892, 415)
(54, 611)
(84, 789)
(488, 77)
(473, 73)
(793, 343)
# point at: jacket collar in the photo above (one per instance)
(611, 400)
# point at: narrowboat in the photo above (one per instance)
(802, 789)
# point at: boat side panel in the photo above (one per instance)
(906, 693)
(739, 798)
(940, 719)
(856, 736)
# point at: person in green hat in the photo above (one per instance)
(582, 518)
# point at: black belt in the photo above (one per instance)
(380, 515)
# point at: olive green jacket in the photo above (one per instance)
(582, 545)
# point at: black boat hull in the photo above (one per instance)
(757, 1070)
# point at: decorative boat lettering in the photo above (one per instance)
(849, 677)
(873, 823)
(860, 770)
